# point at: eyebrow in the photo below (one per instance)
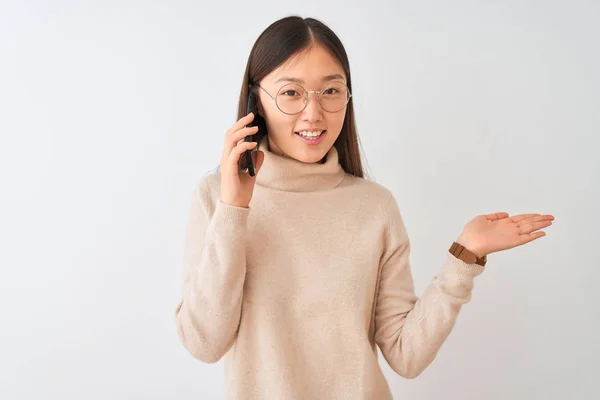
(326, 78)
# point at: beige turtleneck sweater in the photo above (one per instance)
(297, 290)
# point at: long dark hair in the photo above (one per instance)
(283, 39)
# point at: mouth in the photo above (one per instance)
(311, 137)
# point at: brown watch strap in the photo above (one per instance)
(464, 254)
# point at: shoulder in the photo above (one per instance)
(378, 198)
(370, 190)
(211, 181)
(207, 188)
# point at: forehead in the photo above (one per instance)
(314, 65)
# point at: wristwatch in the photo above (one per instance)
(462, 253)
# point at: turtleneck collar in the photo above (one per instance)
(291, 175)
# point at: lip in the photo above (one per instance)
(312, 142)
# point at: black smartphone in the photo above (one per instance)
(247, 162)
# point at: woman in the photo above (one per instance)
(295, 274)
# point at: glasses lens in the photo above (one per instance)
(291, 98)
(334, 97)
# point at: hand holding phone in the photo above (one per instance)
(237, 186)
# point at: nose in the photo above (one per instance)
(313, 110)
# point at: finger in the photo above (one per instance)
(535, 218)
(520, 217)
(497, 216)
(532, 236)
(232, 141)
(534, 226)
(234, 156)
(242, 133)
(242, 122)
(229, 143)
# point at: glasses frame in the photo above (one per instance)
(317, 92)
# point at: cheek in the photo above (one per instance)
(279, 123)
(335, 122)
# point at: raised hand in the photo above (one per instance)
(237, 186)
(495, 232)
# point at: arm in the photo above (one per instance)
(409, 330)
(214, 269)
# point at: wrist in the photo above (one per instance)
(471, 245)
(234, 204)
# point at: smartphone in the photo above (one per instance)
(247, 162)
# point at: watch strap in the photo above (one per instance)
(462, 253)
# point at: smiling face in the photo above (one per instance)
(297, 135)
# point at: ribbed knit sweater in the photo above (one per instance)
(298, 289)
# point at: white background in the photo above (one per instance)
(111, 112)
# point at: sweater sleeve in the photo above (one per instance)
(214, 269)
(410, 330)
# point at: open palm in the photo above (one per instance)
(495, 232)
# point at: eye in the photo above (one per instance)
(331, 91)
(290, 93)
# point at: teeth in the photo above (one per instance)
(310, 134)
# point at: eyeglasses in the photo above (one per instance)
(292, 98)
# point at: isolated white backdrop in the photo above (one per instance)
(110, 113)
